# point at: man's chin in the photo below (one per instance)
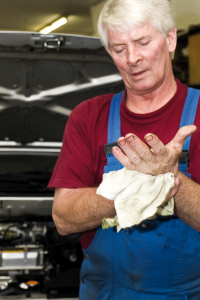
(143, 87)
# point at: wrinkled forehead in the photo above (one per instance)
(136, 33)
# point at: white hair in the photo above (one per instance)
(124, 15)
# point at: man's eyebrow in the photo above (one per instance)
(141, 38)
(137, 40)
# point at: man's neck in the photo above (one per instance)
(153, 100)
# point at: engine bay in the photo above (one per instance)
(35, 259)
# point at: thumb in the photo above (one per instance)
(181, 135)
(174, 190)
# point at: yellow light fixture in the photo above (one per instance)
(54, 25)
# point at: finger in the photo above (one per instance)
(122, 158)
(129, 151)
(180, 137)
(156, 145)
(136, 150)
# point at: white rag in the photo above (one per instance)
(136, 196)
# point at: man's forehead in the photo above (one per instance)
(136, 34)
(115, 43)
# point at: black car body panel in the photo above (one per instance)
(42, 79)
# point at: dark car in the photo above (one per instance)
(42, 79)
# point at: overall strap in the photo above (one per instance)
(114, 131)
(114, 122)
(187, 118)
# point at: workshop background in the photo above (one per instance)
(82, 15)
(81, 19)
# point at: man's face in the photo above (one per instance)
(142, 57)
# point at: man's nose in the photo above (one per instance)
(133, 56)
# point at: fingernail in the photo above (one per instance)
(122, 142)
(130, 138)
(149, 138)
(114, 150)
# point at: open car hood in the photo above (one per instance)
(42, 79)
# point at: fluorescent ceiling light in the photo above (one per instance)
(54, 25)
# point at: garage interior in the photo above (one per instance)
(42, 79)
(82, 16)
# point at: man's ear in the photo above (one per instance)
(172, 40)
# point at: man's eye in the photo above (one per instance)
(144, 43)
(118, 51)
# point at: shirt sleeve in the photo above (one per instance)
(74, 165)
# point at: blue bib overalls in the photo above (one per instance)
(155, 260)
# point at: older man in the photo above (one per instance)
(156, 260)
